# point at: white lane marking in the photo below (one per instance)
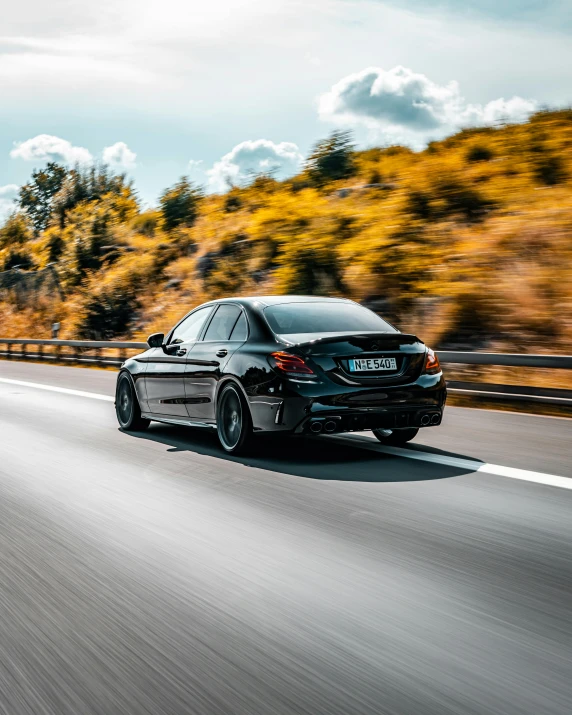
(470, 465)
(53, 388)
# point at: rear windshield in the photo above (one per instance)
(326, 317)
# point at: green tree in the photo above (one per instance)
(331, 159)
(36, 197)
(180, 204)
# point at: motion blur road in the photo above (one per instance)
(152, 574)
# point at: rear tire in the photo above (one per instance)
(233, 421)
(396, 437)
(127, 406)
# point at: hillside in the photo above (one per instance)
(468, 243)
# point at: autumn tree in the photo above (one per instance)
(93, 184)
(16, 232)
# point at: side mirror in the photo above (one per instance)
(155, 340)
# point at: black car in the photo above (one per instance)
(292, 364)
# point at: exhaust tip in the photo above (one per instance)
(316, 427)
(330, 426)
(425, 420)
(435, 419)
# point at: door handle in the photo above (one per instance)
(181, 351)
(222, 353)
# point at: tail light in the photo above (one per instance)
(432, 366)
(290, 365)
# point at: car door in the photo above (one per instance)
(226, 332)
(165, 374)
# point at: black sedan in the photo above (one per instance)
(292, 364)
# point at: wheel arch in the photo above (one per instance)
(137, 381)
(225, 380)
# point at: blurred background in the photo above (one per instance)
(467, 243)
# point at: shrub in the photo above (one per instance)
(375, 177)
(464, 200)
(15, 232)
(107, 314)
(550, 170)
(331, 159)
(232, 202)
(419, 204)
(86, 241)
(147, 223)
(474, 321)
(479, 152)
(180, 204)
(396, 150)
(18, 259)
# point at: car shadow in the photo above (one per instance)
(322, 458)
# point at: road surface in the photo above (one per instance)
(150, 574)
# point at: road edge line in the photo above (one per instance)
(498, 470)
(53, 388)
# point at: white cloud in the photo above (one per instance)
(254, 157)
(46, 147)
(402, 102)
(119, 156)
(195, 165)
(516, 109)
(7, 195)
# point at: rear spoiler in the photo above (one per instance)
(404, 338)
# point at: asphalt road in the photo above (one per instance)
(151, 574)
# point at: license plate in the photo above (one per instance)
(372, 364)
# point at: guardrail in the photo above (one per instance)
(93, 352)
(77, 352)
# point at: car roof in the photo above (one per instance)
(266, 300)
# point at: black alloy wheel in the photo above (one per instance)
(233, 422)
(396, 437)
(127, 406)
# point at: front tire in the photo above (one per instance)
(396, 437)
(127, 405)
(233, 421)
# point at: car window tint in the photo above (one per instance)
(240, 330)
(323, 317)
(190, 328)
(222, 323)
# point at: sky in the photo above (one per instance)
(218, 90)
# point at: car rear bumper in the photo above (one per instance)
(368, 419)
(310, 408)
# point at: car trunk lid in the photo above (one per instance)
(364, 358)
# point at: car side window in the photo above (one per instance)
(190, 328)
(223, 322)
(240, 330)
